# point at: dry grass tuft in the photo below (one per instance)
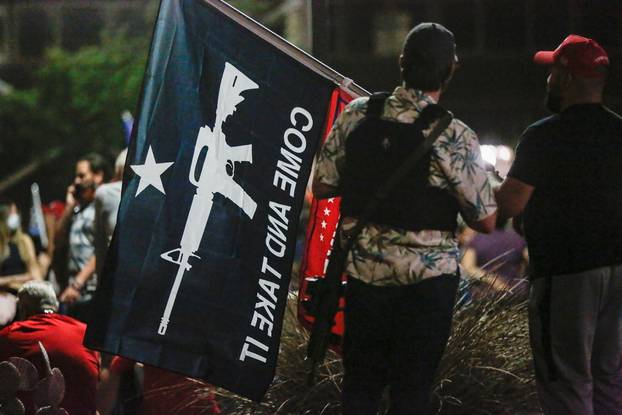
(486, 369)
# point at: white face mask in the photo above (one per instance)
(13, 221)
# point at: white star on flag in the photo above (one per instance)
(324, 224)
(150, 173)
(321, 238)
(326, 211)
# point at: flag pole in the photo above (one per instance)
(288, 48)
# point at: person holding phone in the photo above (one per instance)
(75, 236)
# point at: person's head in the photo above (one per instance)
(428, 57)
(578, 72)
(36, 297)
(91, 171)
(11, 232)
(10, 226)
(119, 165)
(10, 219)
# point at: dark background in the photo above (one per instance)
(497, 90)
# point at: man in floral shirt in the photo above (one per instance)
(403, 278)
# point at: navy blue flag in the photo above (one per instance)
(197, 275)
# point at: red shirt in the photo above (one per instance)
(166, 392)
(62, 338)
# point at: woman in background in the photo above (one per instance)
(498, 260)
(18, 261)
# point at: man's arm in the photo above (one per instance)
(512, 197)
(463, 169)
(33, 272)
(72, 292)
(529, 170)
(32, 265)
(86, 273)
(61, 228)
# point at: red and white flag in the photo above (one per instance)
(323, 221)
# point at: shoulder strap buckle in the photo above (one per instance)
(375, 105)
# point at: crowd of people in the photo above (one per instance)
(46, 297)
(404, 267)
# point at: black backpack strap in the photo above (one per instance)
(383, 192)
(375, 105)
(398, 174)
(428, 115)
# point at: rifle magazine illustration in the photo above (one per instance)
(215, 176)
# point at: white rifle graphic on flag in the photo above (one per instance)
(214, 177)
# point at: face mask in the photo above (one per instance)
(13, 222)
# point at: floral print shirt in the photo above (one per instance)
(388, 256)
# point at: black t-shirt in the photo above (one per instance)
(573, 221)
(13, 264)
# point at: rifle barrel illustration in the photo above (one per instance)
(213, 177)
(183, 264)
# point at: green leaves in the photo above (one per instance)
(75, 104)
(85, 92)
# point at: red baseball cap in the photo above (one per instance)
(582, 56)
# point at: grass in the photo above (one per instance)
(486, 369)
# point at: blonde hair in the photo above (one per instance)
(5, 233)
(21, 240)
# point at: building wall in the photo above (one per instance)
(497, 90)
(28, 28)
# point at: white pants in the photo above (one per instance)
(575, 329)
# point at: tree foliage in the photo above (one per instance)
(75, 105)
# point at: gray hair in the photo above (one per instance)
(37, 297)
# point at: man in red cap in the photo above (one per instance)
(566, 182)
